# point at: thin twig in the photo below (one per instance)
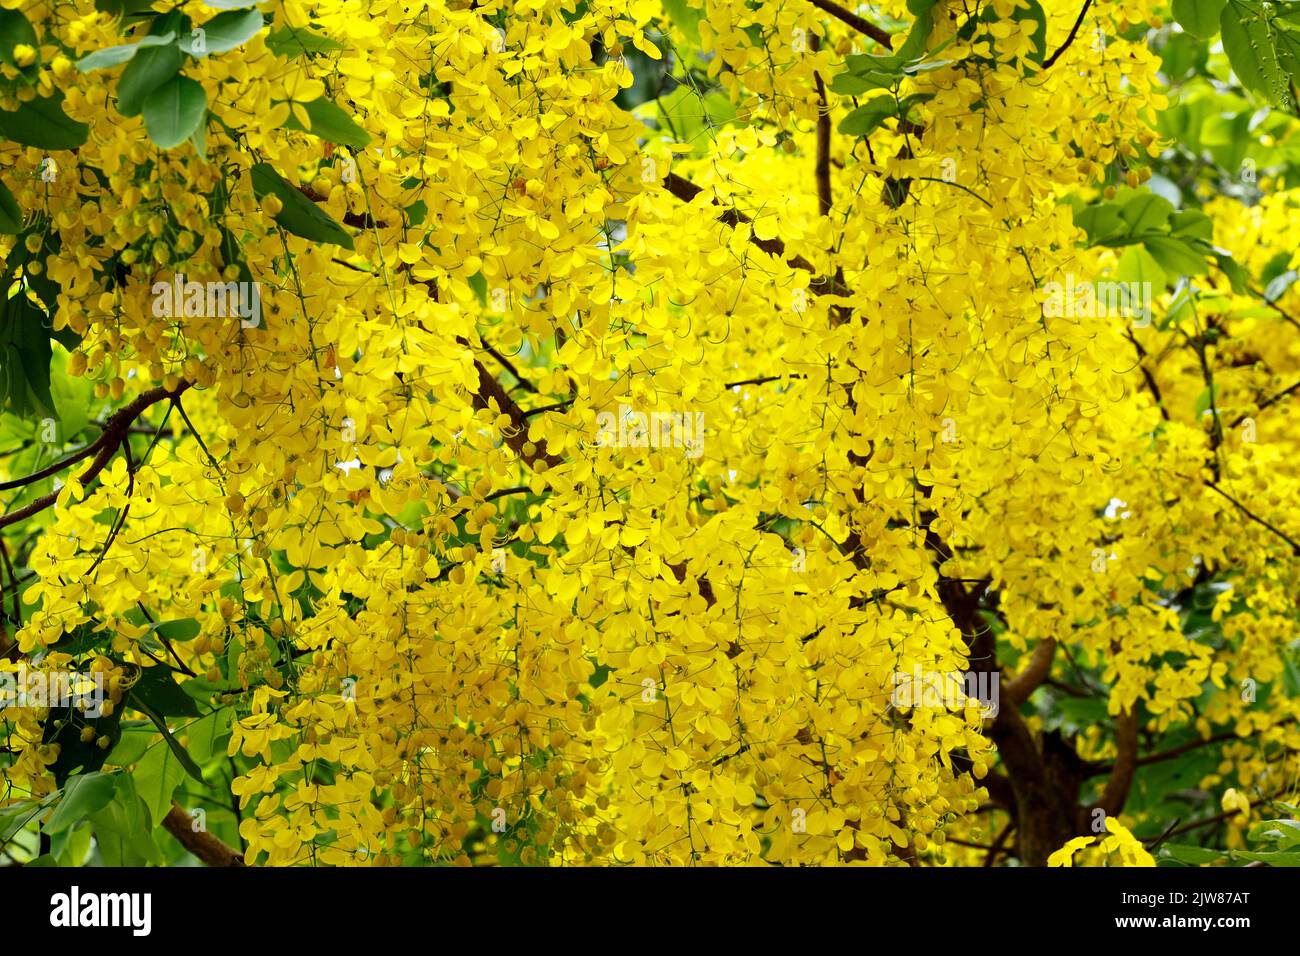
(1074, 31)
(864, 27)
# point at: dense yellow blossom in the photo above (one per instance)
(427, 611)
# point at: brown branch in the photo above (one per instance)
(1217, 818)
(1152, 385)
(706, 592)
(973, 846)
(759, 380)
(997, 848)
(1074, 31)
(1295, 548)
(53, 469)
(542, 410)
(1173, 752)
(686, 191)
(1043, 791)
(506, 364)
(493, 397)
(864, 27)
(822, 167)
(1272, 304)
(1273, 400)
(354, 219)
(115, 432)
(202, 844)
(894, 192)
(1120, 781)
(1019, 688)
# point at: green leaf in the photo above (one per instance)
(151, 67)
(25, 359)
(206, 738)
(231, 4)
(690, 117)
(72, 396)
(1237, 275)
(1248, 42)
(685, 17)
(1278, 286)
(290, 42)
(1286, 42)
(1101, 221)
(71, 846)
(123, 8)
(15, 29)
(183, 629)
(1285, 833)
(47, 290)
(158, 691)
(300, 215)
(1194, 855)
(1137, 265)
(1200, 17)
(174, 111)
(199, 138)
(1207, 400)
(82, 796)
(1227, 136)
(137, 738)
(1183, 54)
(330, 122)
(123, 828)
(82, 639)
(919, 35)
(1191, 224)
(1146, 213)
(232, 256)
(157, 775)
(861, 64)
(929, 62)
(183, 758)
(17, 816)
(1034, 12)
(1277, 264)
(43, 124)
(117, 55)
(11, 214)
(1176, 257)
(855, 84)
(1271, 857)
(223, 32)
(478, 282)
(867, 118)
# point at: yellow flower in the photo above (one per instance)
(297, 88)
(1065, 855)
(1234, 799)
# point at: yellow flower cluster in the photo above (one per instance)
(442, 621)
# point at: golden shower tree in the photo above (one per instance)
(564, 431)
